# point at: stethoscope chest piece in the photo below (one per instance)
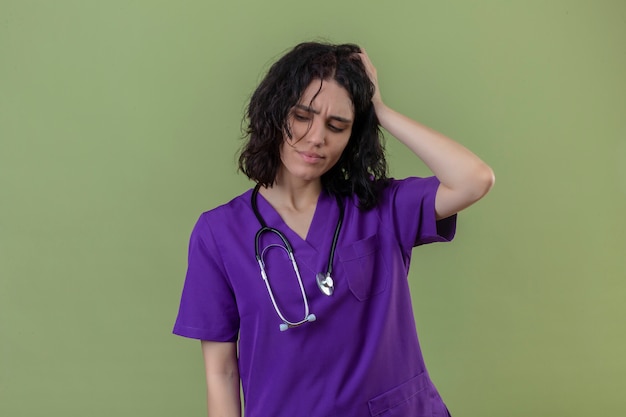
(325, 283)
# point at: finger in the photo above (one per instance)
(366, 60)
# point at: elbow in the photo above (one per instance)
(471, 187)
(484, 180)
(478, 183)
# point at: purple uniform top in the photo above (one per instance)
(361, 357)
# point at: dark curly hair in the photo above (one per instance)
(362, 167)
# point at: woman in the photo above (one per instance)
(329, 331)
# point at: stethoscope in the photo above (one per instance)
(324, 280)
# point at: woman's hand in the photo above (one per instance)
(371, 72)
(464, 178)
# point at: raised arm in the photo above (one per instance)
(463, 176)
(222, 379)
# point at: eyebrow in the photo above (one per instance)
(312, 110)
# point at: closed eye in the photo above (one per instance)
(305, 114)
(335, 129)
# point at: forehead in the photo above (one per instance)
(327, 95)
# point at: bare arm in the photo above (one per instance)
(463, 176)
(222, 378)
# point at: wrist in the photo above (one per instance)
(382, 111)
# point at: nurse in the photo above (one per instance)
(298, 287)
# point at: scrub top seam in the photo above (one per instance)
(389, 227)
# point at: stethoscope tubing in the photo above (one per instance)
(261, 262)
(308, 317)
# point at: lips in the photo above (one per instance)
(311, 157)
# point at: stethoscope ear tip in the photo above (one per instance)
(311, 317)
(283, 327)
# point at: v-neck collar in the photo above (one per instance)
(321, 229)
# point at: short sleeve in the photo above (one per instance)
(409, 206)
(208, 309)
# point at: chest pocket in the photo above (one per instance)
(411, 398)
(364, 267)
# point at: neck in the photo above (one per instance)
(292, 195)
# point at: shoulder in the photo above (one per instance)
(390, 189)
(386, 189)
(229, 209)
(216, 220)
(413, 183)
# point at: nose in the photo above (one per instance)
(316, 135)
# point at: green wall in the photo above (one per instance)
(119, 124)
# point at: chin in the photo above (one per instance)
(304, 175)
(309, 177)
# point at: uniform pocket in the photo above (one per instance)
(411, 398)
(364, 268)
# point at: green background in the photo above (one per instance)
(120, 122)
